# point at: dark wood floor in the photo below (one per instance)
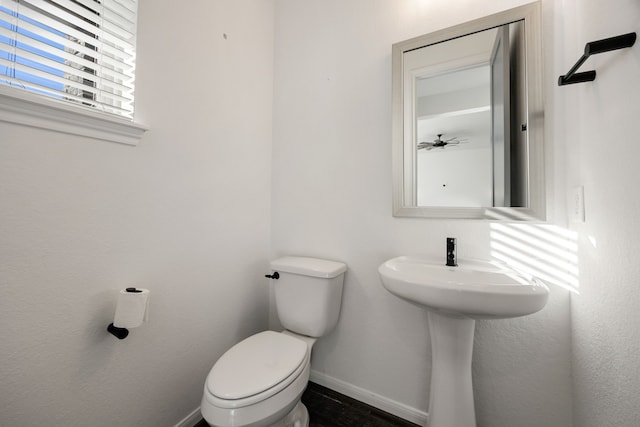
(328, 408)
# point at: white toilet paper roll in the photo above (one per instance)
(132, 308)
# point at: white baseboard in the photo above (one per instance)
(383, 403)
(190, 420)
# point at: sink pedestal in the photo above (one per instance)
(451, 394)
(454, 297)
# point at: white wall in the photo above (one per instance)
(332, 198)
(598, 126)
(456, 176)
(185, 214)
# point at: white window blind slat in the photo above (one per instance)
(81, 51)
(131, 5)
(73, 33)
(95, 92)
(107, 71)
(70, 44)
(50, 78)
(70, 58)
(71, 72)
(103, 17)
(70, 20)
(50, 66)
(119, 14)
(47, 91)
(44, 90)
(116, 29)
(77, 79)
(111, 6)
(8, 4)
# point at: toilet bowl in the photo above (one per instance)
(259, 381)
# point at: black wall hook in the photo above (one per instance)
(592, 48)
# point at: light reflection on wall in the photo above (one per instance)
(548, 252)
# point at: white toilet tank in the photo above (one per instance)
(308, 294)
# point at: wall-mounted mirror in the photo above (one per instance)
(468, 120)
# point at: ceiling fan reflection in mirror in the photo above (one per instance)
(440, 143)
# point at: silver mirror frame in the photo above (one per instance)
(536, 210)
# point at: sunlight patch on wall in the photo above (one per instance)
(547, 252)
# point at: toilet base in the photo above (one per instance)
(298, 417)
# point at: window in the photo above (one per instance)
(74, 52)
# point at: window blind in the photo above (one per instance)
(76, 51)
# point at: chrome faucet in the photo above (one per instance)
(451, 252)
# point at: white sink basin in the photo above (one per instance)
(455, 297)
(475, 289)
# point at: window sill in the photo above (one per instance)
(32, 110)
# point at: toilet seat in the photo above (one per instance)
(255, 369)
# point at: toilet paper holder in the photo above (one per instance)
(121, 333)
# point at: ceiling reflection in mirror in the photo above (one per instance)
(464, 132)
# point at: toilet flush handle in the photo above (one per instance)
(275, 275)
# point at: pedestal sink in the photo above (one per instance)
(455, 297)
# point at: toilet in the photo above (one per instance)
(259, 381)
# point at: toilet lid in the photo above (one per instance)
(256, 364)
